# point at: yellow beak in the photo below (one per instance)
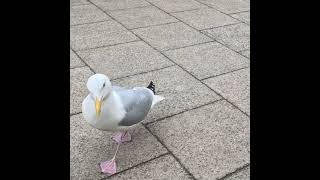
(98, 107)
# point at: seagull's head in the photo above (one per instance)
(100, 88)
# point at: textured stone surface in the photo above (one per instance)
(205, 18)
(244, 174)
(78, 2)
(78, 90)
(142, 17)
(243, 16)
(74, 60)
(176, 5)
(228, 6)
(110, 5)
(236, 36)
(86, 14)
(246, 53)
(99, 34)
(234, 86)
(181, 90)
(89, 147)
(124, 59)
(165, 167)
(210, 141)
(209, 59)
(169, 36)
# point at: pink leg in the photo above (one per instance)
(110, 166)
(120, 137)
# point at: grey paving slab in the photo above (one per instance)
(165, 167)
(110, 5)
(86, 14)
(99, 34)
(181, 90)
(209, 59)
(170, 36)
(142, 17)
(244, 174)
(125, 59)
(74, 60)
(210, 141)
(89, 147)
(246, 53)
(78, 2)
(78, 90)
(236, 36)
(233, 86)
(205, 18)
(176, 5)
(243, 16)
(228, 6)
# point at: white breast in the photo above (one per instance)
(112, 112)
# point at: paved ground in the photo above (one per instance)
(197, 53)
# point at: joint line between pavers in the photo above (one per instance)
(142, 72)
(188, 46)
(104, 46)
(170, 152)
(238, 52)
(123, 9)
(74, 25)
(171, 59)
(218, 9)
(220, 26)
(154, 25)
(83, 60)
(167, 56)
(238, 12)
(234, 172)
(75, 67)
(137, 165)
(163, 118)
(207, 86)
(224, 73)
(72, 114)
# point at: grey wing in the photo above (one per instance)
(118, 88)
(137, 104)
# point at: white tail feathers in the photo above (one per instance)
(156, 99)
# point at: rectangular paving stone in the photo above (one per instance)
(99, 34)
(205, 18)
(246, 53)
(74, 60)
(109, 5)
(86, 14)
(78, 89)
(243, 16)
(176, 5)
(181, 90)
(170, 36)
(165, 167)
(209, 59)
(233, 86)
(228, 6)
(89, 147)
(244, 174)
(236, 36)
(124, 59)
(210, 141)
(142, 17)
(78, 2)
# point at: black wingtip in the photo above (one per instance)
(151, 86)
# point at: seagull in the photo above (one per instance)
(116, 109)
